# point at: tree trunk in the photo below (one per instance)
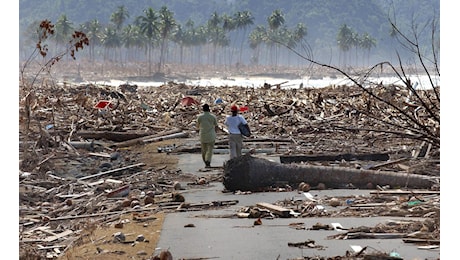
(112, 135)
(248, 173)
(335, 157)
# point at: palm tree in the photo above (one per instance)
(63, 30)
(345, 40)
(243, 21)
(93, 31)
(256, 38)
(355, 42)
(166, 25)
(119, 17)
(300, 32)
(195, 38)
(228, 25)
(131, 37)
(367, 42)
(292, 38)
(178, 37)
(189, 37)
(215, 32)
(149, 26)
(200, 39)
(275, 21)
(110, 40)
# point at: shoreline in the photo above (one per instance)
(204, 76)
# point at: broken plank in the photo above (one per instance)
(140, 140)
(372, 205)
(40, 247)
(110, 135)
(104, 155)
(113, 181)
(33, 187)
(98, 182)
(377, 166)
(101, 214)
(219, 203)
(112, 171)
(364, 235)
(42, 228)
(421, 240)
(101, 181)
(46, 230)
(74, 196)
(57, 236)
(166, 137)
(429, 247)
(283, 212)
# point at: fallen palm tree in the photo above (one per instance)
(248, 173)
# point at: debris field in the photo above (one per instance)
(97, 157)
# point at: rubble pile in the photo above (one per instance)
(78, 167)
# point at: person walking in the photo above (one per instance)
(235, 138)
(207, 124)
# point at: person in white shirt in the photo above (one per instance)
(235, 138)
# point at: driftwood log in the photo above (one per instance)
(248, 173)
(335, 157)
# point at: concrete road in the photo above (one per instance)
(217, 234)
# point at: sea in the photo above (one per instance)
(418, 82)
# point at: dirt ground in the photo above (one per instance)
(99, 243)
(153, 159)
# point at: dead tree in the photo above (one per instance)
(30, 86)
(417, 116)
(248, 173)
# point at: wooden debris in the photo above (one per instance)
(61, 162)
(57, 236)
(306, 244)
(422, 241)
(280, 211)
(112, 171)
(141, 140)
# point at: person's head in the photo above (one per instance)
(234, 109)
(206, 107)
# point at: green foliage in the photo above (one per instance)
(229, 24)
(319, 16)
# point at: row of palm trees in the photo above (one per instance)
(348, 39)
(154, 31)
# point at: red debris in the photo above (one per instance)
(188, 101)
(103, 104)
(244, 109)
